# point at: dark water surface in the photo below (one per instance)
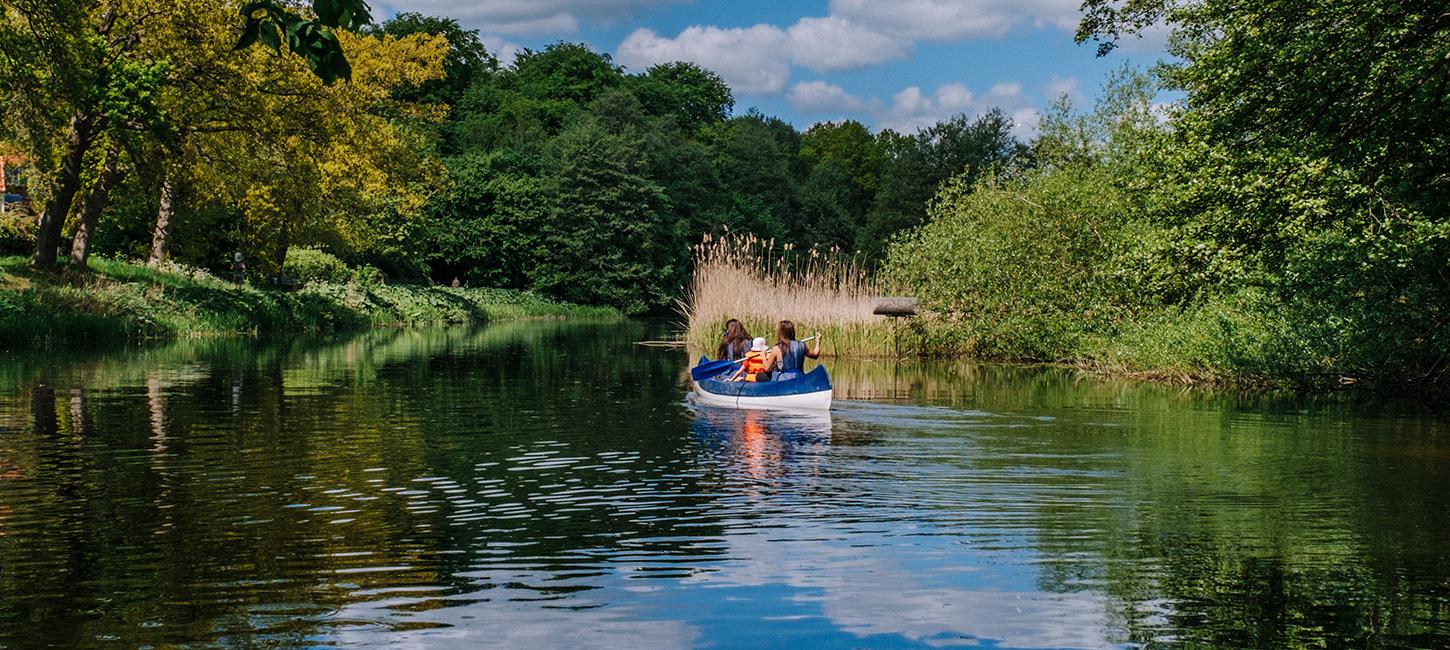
(548, 485)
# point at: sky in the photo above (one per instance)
(898, 64)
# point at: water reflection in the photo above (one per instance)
(519, 485)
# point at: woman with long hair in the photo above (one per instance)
(788, 357)
(735, 342)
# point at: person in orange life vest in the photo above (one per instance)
(754, 368)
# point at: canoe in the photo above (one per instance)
(811, 390)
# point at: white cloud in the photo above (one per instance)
(956, 19)
(753, 60)
(1058, 86)
(832, 43)
(819, 97)
(526, 16)
(502, 49)
(912, 108)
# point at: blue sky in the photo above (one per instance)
(899, 64)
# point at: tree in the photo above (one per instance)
(846, 153)
(917, 165)
(758, 161)
(612, 240)
(56, 56)
(1309, 159)
(569, 72)
(685, 92)
(1366, 84)
(489, 228)
(467, 58)
(348, 166)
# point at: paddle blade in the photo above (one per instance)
(707, 370)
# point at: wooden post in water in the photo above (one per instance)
(896, 308)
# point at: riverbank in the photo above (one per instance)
(120, 302)
(1029, 314)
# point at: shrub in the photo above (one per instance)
(312, 265)
(1021, 269)
(17, 235)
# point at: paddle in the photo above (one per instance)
(713, 368)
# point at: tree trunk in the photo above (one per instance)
(78, 137)
(100, 195)
(163, 220)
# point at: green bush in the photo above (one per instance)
(1021, 269)
(17, 235)
(312, 265)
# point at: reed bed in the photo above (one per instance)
(745, 277)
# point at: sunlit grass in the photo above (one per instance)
(120, 301)
(744, 277)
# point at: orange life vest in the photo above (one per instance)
(754, 363)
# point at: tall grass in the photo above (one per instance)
(745, 277)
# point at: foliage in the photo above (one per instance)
(1021, 269)
(684, 92)
(312, 265)
(607, 212)
(125, 302)
(917, 165)
(1276, 226)
(467, 58)
(273, 23)
(17, 235)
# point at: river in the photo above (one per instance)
(549, 484)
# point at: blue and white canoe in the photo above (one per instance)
(811, 390)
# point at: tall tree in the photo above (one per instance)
(684, 92)
(53, 62)
(612, 240)
(466, 61)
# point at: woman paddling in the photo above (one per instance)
(735, 343)
(788, 357)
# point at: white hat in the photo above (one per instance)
(758, 345)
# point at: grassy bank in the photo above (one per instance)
(120, 302)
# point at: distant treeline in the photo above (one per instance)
(574, 177)
(561, 172)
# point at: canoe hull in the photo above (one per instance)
(819, 400)
(811, 391)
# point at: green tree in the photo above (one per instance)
(1310, 149)
(846, 161)
(758, 159)
(611, 238)
(467, 58)
(488, 229)
(568, 72)
(685, 92)
(917, 165)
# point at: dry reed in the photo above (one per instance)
(745, 277)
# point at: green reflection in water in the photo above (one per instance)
(535, 475)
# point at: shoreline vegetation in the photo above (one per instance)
(746, 277)
(120, 302)
(1222, 218)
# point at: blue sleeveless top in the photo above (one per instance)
(792, 360)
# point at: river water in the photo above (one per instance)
(549, 484)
